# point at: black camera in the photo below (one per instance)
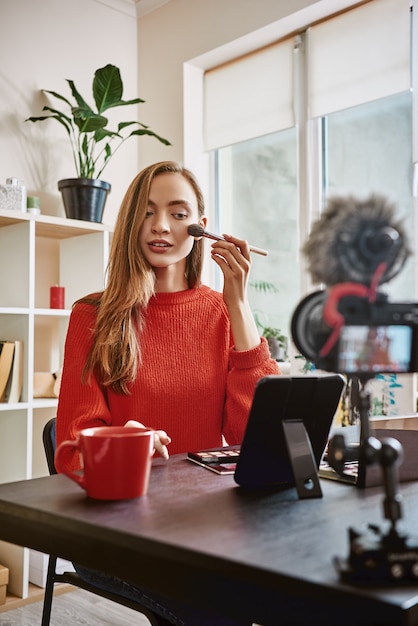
(351, 327)
(367, 338)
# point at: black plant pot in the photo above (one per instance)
(84, 198)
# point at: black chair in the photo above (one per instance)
(73, 578)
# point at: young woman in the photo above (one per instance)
(157, 347)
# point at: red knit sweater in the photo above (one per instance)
(192, 383)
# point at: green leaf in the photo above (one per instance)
(84, 145)
(151, 134)
(123, 125)
(58, 114)
(107, 87)
(264, 286)
(88, 123)
(66, 122)
(78, 98)
(123, 103)
(57, 95)
(103, 132)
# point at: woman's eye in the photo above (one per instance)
(180, 216)
(148, 214)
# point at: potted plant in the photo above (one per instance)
(278, 342)
(93, 143)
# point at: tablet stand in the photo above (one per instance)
(302, 459)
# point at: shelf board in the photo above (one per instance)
(36, 403)
(52, 312)
(44, 312)
(15, 406)
(53, 227)
(14, 310)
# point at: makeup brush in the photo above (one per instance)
(198, 231)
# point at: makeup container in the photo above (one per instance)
(57, 297)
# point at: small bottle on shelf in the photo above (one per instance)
(13, 195)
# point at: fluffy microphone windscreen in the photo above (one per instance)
(352, 237)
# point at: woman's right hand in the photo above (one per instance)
(233, 257)
(161, 439)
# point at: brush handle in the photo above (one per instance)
(206, 233)
(258, 250)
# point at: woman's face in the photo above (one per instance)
(172, 207)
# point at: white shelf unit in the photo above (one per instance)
(36, 252)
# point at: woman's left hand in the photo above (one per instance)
(161, 439)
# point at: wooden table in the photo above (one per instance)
(196, 536)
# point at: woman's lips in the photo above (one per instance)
(159, 246)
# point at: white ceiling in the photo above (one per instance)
(146, 6)
(135, 8)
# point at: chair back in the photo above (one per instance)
(49, 440)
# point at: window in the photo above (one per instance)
(343, 124)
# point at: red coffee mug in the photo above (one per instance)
(116, 461)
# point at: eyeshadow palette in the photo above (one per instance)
(219, 460)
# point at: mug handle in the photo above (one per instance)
(79, 479)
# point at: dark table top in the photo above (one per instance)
(196, 536)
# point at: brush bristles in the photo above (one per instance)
(195, 230)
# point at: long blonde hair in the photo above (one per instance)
(116, 351)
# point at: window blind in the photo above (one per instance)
(249, 97)
(359, 56)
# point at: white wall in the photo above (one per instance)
(42, 43)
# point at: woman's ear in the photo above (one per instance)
(202, 222)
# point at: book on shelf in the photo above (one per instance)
(7, 349)
(11, 370)
(15, 382)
